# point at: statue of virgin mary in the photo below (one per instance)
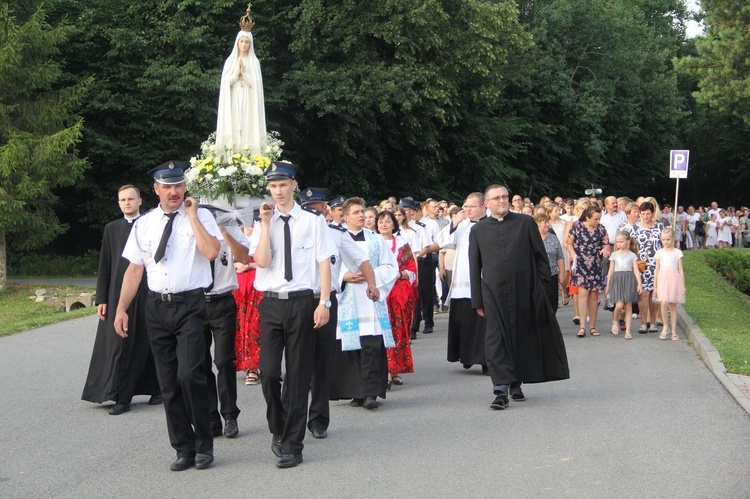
(241, 120)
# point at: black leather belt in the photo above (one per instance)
(175, 297)
(288, 295)
(219, 297)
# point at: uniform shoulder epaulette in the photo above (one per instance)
(337, 227)
(311, 210)
(419, 223)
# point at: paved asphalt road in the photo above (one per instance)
(641, 418)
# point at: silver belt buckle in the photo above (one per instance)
(283, 295)
(166, 297)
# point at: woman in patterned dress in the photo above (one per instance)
(247, 341)
(647, 234)
(400, 300)
(587, 244)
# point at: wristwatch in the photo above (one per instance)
(326, 303)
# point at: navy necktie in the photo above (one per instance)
(165, 237)
(287, 248)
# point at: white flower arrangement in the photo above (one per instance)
(218, 173)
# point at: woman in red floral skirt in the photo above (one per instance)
(401, 299)
(247, 342)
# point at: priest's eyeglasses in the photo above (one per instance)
(498, 198)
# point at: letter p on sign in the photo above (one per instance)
(678, 163)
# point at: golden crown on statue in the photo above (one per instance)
(247, 22)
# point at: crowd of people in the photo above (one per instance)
(367, 279)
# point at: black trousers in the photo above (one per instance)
(286, 329)
(221, 326)
(176, 333)
(325, 344)
(424, 309)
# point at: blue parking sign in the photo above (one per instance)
(678, 163)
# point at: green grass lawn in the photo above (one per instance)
(722, 312)
(18, 313)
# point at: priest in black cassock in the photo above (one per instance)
(509, 267)
(120, 367)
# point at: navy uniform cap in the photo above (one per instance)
(280, 171)
(169, 173)
(313, 195)
(337, 201)
(407, 203)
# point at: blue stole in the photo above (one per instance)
(348, 316)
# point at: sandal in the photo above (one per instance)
(615, 328)
(675, 337)
(565, 301)
(397, 380)
(664, 333)
(252, 378)
(581, 333)
(576, 320)
(652, 328)
(594, 332)
(643, 329)
(628, 336)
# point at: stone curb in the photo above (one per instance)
(710, 356)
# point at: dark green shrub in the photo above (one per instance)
(733, 264)
(41, 265)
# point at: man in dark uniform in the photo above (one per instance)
(345, 249)
(508, 268)
(292, 251)
(120, 367)
(337, 211)
(221, 329)
(175, 244)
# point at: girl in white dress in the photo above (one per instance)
(724, 229)
(711, 231)
(669, 283)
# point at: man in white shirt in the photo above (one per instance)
(345, 250)
(292, 250)
(465, 327)
(175, 244)
(364, 330)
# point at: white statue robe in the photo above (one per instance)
(241, 119)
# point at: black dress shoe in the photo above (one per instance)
(427, 330)
(203, 461)
(276, 445)
(216, 429)
(370, 403)
(289, 460)
(467, 366)
(485, 370)
(357, 402)
(182, 463)
(155, 400)
(319, 432)
(500, 402)
(516, 394)
(118, 409)
(413, 335)
(231, 429)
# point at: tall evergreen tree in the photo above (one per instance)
(39, 129)
(723, 58)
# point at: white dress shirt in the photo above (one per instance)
(225, 277)
(183, 267)
(311, 244)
